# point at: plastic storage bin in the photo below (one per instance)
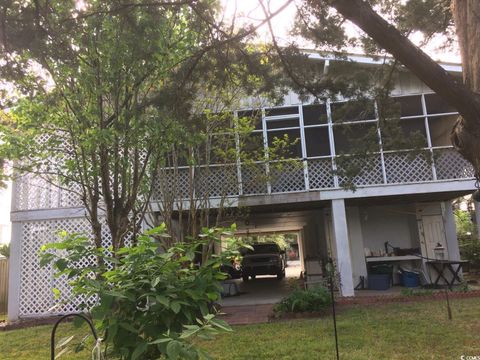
(379, 281)
(410, 279)
(382, 268)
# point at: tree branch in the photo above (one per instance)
(419, 63)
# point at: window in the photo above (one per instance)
(436, 105)
(317, 141)
(357, 110)
(354, 137)
(278, 124)
(404, 134)
(440, 128)
(314, 114)
(290, 110)
(291, 148)
(409, 105)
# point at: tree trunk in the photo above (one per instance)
(464, 97)
(466, 133)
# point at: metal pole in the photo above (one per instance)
(331, 273)
(449, 309)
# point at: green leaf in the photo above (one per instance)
(173, 349)
(56, 293)
(175, 306)
(116, 294)
(162, 300)
(212, 296)
(128, 327)
(221, 324)
(139, 350)
(160, 341)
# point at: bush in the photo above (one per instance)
(148, 303)
(313, 299)
(470, 250)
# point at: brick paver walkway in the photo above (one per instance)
(249, 314)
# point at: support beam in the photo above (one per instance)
(15, 271)
(344, 259)
(450, 231)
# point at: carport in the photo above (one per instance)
(312, 250)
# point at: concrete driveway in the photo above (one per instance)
(264, 289)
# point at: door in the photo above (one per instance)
(433, 233)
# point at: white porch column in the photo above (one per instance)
(340, 233)
(15, 271)
(450, 231)
(359, 266)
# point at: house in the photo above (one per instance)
(401, 196)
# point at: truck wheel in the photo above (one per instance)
(245, 278)
(253, 277)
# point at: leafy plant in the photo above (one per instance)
(148, 302)
(470, 250)
(313, 299)
(5, 250)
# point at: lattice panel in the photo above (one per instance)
(175, 185)
(33, 192)
(287, 177)
(68, 199)
(370, 173)
(449, 164)
(216, 181)
(36, 296)
(320, 174)
(407, 168)
(254, 179)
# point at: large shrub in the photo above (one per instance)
(470, 250)
(147, 302)
(313, 299)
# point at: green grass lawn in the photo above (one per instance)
(393, 331)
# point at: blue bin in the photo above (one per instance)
(410, 279)
(379, 281)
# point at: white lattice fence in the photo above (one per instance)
(407, 167)
(254, 179)
(287, 177)
(33, 192)
(320, 174)
(216, 181)
(175, 184)
(449, 164)
(370, 171)
(36, 283)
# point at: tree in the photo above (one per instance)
(106, 89)
(325, 27)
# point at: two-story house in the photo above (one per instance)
(402, 195)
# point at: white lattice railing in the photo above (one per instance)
(400, 167)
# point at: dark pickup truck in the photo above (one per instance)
(263, 259)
